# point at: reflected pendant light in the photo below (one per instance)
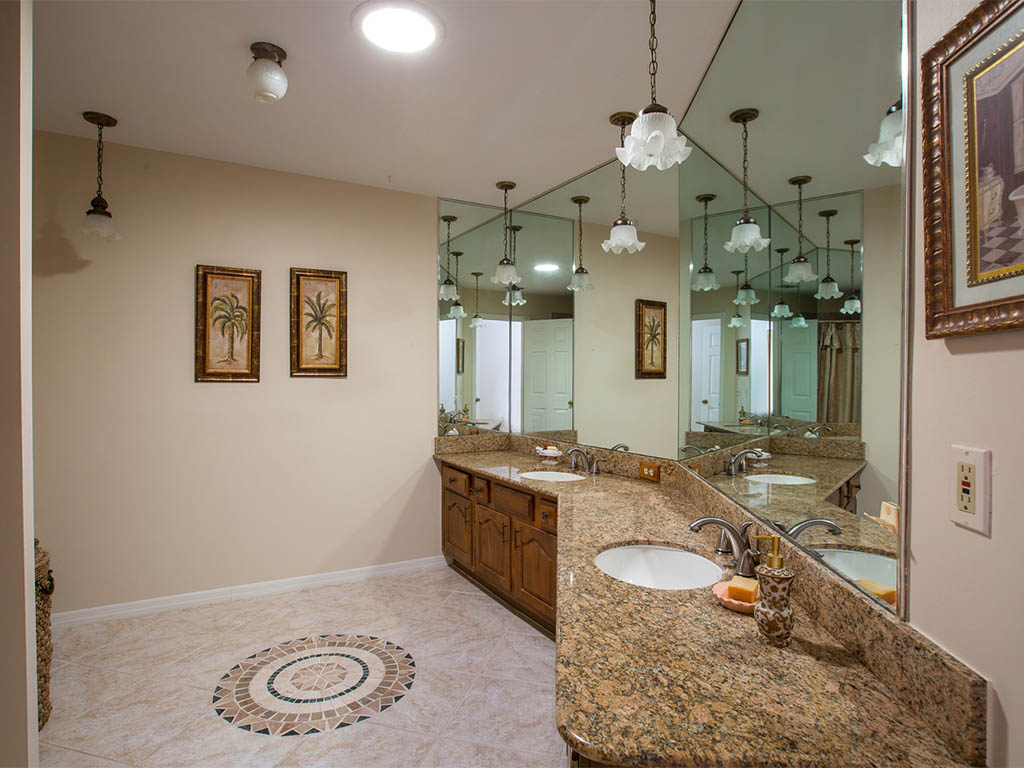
(705, 279)
(737, 321)
(514, 296)
(852, 304)
(800, 270)
(653, 138)
(828, 288)
(580, 277)
(456, 310)
(623, 236)
(506, 273)
(781, 309)
(477, 321)
(98, 220)
(798, 321)
(746, 234)
(746, 295)
(889, 147)
(448, 291)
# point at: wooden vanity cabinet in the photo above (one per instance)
(533, 569)
(846, 495)
(492, 542)
(457, 527)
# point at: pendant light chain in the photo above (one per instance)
(746, 166)
(505, 219)
(622, 193)
(448, 249)
(746, 273)
(800, 220)
(852, 257)
(653, 42)
(477, 310)
(579, 234)
(828, 246)
(706, 231)
(514, 233)
(99, 161)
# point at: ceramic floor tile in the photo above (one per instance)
(427, 706)
(523, 657)
(450, 753)
(58, 757)
(215, 617)
(211, 742)
(146, 652)
(364, 745)
(71, 643)
(75, 689)
(477, 614)
(437, 646)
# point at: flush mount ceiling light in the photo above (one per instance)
(800, 270)
(889, 147)
(400, 26)
(852, 305)
(477, 321)
(781, 309)
(449, 290)
(265, 76)
(580, 277)
(546, 268)
(653, 138)
(705, 279)
(623, 236)
(828, 288)
(456, 310)
(737, 321)
(505, 273)
(746, 295)
(98, 220)
(746, 234)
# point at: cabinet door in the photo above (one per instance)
(457, 528)
(492, 537)
(533, 569)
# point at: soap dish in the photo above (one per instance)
(552, 452)
(721, 593)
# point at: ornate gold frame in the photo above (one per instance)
(295, 303)
(639, 372)
(202, 374)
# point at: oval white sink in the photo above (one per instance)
(862, 565)
(552, 477)
(658, 567)
(781, 479)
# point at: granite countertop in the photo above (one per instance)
(656, 677)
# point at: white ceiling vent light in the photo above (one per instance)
(399, 26)
(265, 76)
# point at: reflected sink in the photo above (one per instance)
(552, 477)
(781, 479)
(861, 565)
(658, 567)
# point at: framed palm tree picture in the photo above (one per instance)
(319, 315)
(650, 339)
(227, 324)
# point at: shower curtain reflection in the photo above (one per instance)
(839, 365)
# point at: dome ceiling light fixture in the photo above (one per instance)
(580, 277)
(705, 279)
(546, 268)
(456, 310)
(515, 291)
(477, 321)
(653, 137)
(505, 273)
(781, 309)
(800, 269)
(746, 234)
(449, 290)
(399, 26)
(852, 304)
(746, 295)
(623, 236)
(265, 75)
(889, 147)
(828, 288)
(98, 220)
(737, 321)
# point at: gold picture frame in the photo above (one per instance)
(742, 357)
(651, 343)
(460, 356)
(227, 324)
(319, 314)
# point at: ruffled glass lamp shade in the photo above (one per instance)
(800, 271)
(448, 291)
(514, 297)
(456, 311)
(737, 321)
(653, 140)
(746, 295)
(506, 273)
(580, 280)
(889, 147)
(746, 235)
(851, 306)
(705, 280)
(476, 322)
(781, 310)
(100, 223)
(798, 322)
(622, 238)
(828, 288)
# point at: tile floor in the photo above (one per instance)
(139, 691)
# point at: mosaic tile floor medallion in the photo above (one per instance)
(314, 684)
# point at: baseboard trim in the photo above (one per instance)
(224, 594)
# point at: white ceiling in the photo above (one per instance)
(516, 89)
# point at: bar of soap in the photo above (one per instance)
(743, 589)
(879, 590)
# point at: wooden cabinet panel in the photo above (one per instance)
(492, 541)
(480, 490)
(512, 502)
(534, 554)
(547, 514)
(457, 528)
(454, 480)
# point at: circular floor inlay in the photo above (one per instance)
(314, 684)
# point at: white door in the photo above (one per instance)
(446, 333)
(798, 368)
(706, 376)
(547, 374)
(492, 371)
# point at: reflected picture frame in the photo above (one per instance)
(651, 328)
(460, 356)
(742, 357)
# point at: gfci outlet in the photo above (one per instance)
(972, 490)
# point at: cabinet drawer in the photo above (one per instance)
(511, 502)
(480, 490)
(547, 515)
(453, 480)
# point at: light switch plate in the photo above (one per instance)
(972, 488)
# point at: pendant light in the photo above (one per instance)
(506, 273)
(456, 310)
(737, 321)
(449, 290)
(514, 296)
(828, 288)
(705, 279)
(580, 277)
(98, 220)
(746, 234)
(798, 321)
(800, 269)
(265, 75)
(746, 295)
(889, 147)
(653, 138)
(781, 309)
(623, 236)
(477, 321)
(852, 304)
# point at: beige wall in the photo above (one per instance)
(684, 333)
(967, 390)
(149, 484)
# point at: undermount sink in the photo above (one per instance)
(781, 479)
(861, 565)
(657, 567)
(551, 477)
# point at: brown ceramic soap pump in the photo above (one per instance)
(773, 613)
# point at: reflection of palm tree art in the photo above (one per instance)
(652, 336)
(320, 319)
(233, 318)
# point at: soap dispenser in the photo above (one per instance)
(773, 613)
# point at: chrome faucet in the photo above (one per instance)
(738, 463)
(815, 430)
(582, 456)
(746, 557)
(798, 528)
(688, 447)
(620, 447)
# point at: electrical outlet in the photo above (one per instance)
(965, 492)
(972, 489)
(650, 471)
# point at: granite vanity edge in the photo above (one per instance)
(823, 447)
(478, 443)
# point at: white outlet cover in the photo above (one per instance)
(981, 458)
